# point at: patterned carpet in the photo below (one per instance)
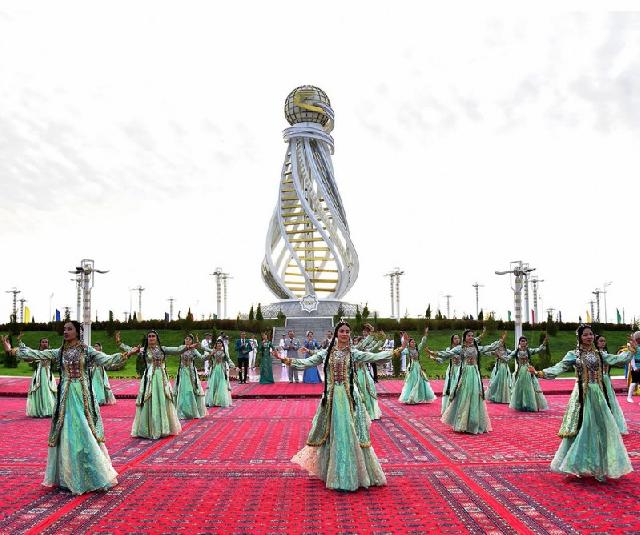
(230, 473)
(128, 388)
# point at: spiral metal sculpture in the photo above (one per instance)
(308, 248)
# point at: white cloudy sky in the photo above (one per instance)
(147, 136)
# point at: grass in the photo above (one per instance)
(559, 344)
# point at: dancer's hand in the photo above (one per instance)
(503, 336)
(20, 336)
(426, 330)
(116, 335)
(405, 340)
(6, 344)
(633, 345)
(532, 370)
(276, 354)
(303, 350)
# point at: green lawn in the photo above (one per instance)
(562, 342)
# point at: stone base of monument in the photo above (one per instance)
(316, 316)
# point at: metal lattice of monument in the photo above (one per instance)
(308, 248)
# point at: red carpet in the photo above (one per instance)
(231, 473)
(128, 388)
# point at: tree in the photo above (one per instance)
(480, 315)
(251, 313)
(109, 327)
(438, 315)
(339, 314)
(427, 314)
(365, 312)
(259, 316)
(135, 317)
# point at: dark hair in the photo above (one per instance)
(523, 338)
(597, 338)
(581, 329)
(326, 362)
(451, 340)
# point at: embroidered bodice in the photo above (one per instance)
(72, 361)
(523, 357)
(338, 365)
(155, 356)
(219, 356)
(187, 357)
(588, 366)
(469, 354)
(414, 354)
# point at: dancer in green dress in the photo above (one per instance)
(100, 382)
(156, 414)
(591, 441)
(41, 398)
(189, 392)
(451, 375)
(338, 449)
(266, 367)
(366, 383)
(77, 459)
(499, 390)
(526, 395)
(467, 410)
(616, 410)
(416, 387)
(219, 391)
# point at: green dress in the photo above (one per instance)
(366, 386)
(156, 414)
(591, 441)
(101, 386)
(526, 396)
(616, 410)
(219, 391)
(416, 387)
(499, 390)
(77, 459)
(41, 398)
(467, 410)
(338, 449)
(266, 363)
(189, 392)
(450, 380)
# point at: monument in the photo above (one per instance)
(310, 262)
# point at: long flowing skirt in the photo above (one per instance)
(41, 399)
(311, 375)
(156, 416)
(101, 387)
(219, 391)
(266, 371)
(342, 462)
(416, 387)
(367, 389)
(616, 410)
(79, 462)
(467, 410)
(499, 390)
(527, 395)
(451, 379)
(190, 395)
(597, 449)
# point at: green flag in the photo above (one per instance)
(509, 315)
(618, 318)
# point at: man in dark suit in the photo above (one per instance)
(243, 348)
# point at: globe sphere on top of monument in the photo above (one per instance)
(298, 107)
